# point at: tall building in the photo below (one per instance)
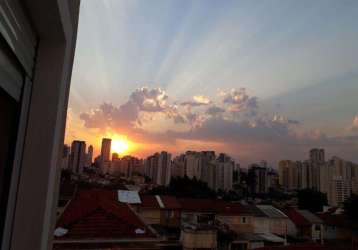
(106, 149)
(178, 166)
(208, 168)
(164, 169)
(289, 174)
(192, 164)
(260, 184)
(105, 155)
(78, 156)
(338, 180)
(89, 156)
(158, 168)
(317, 155)
(224, 172)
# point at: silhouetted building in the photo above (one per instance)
(78, 156)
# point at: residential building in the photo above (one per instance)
(338, 180)
(178, 166)
(270, 220)
(199, 237)
(158, 168)
(260, 184)
(304, 225)
(208, 168)
(289, 174)
(337, 226)
(164, 169)
(317, 155)
(78, 156)
(89, 156)
(95, 218)
(124, 166)
(193, 164)
(224, 172)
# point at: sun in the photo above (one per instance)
(120, 145)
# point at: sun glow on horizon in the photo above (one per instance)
(120, 144)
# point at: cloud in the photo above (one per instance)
(214, 110)
(234, 121)
(127, 114)
(354, 126)
(239, 101)
(149, 100)
(198, 100)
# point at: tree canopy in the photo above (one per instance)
(311, 200)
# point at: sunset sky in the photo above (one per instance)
(255, 79)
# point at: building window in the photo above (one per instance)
(243, 220)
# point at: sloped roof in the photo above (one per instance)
(197, 205)
(312, 218)
(213, 206)
(271, 211)
(149, 201)
(96, 213)
(338, 220)
(170, 202)
(296, 217)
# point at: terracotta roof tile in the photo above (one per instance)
(297, 218)
(149, 201)
(97, 214)
(170, 202)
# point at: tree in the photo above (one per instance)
(185, 187)
(311, 200)
(351, 208)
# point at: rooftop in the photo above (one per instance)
(97, 214)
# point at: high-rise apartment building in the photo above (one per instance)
(317, 155)
(289, 174)
(224, 172)
(338, 180)
(78, 156)
(164, 169)
(106, 149)
(178, 166)
(105, 155)
(259, 173)
(89, 156)
(193, 164)
(158, 168)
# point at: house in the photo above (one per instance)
(162, 210)
(270, 220)
(336, 226)
(170, 211)
(197, 211)
(304, 225)
(199, 237)
(95, 218)
(237, 216)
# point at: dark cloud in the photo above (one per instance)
(214, 110)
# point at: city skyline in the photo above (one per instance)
(241, 81)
